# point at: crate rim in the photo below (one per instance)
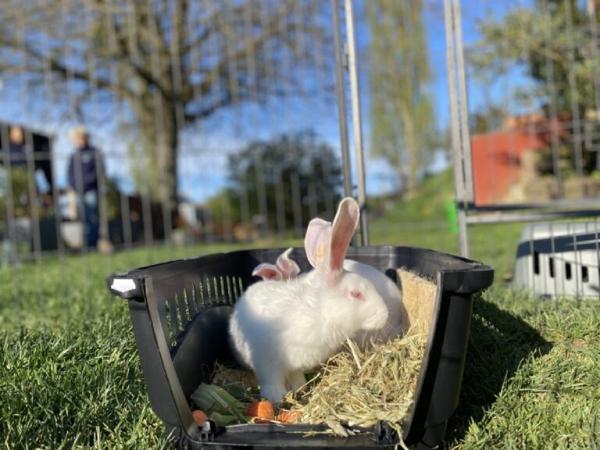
(138, 274)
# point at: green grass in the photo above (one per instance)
(70, 377)
(532, 378)
(422, 221)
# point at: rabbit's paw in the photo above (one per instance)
(273, 392)
(295, 380)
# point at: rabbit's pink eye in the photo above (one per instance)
(357, 294)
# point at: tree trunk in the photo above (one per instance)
(167, 140)
(411, 150)
(156, 172)
(402, 172)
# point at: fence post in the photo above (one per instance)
(461, 149)
(341, 98)
(356, 123)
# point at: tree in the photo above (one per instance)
(487, 119)
(171, 64)
(19, 188)
(401, 107)
(283, 179)
(557, 42)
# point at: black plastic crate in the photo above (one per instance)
(180, 312)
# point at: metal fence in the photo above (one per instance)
(525, 119)
(239, 120)
(220, 123)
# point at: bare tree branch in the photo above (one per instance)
(160, 58)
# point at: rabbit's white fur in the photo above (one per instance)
(317, 246)
(283, 269)
(392, 297)
(282, 329)
(386, 288)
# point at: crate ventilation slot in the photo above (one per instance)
(180, 310)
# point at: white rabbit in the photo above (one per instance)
(316, 244)
(318, 235)
(282, 329)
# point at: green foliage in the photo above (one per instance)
(287, 171)
(426, 205)
(112, 197)
(19, 179)
(399, 77)
(553, 40)
(488, 119)
(564, 160)
(217, 402)
(422, 221)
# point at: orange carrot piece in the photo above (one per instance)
(288, 416)
(262, 409)
(258, 420)
(199, 416)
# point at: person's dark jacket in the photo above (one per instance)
(85, 170)
(17, 155)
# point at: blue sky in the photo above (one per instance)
(207, 146)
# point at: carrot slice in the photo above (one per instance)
(288, 416)
(262, 409)
(199, 416)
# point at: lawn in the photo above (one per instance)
(69, 374)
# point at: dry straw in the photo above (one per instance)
(362, 388)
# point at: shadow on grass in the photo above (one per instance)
(499, 342)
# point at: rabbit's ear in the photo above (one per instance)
(267, 272)
(344, 224)
(316, 241)
(286, 265)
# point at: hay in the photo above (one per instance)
(362, 388)
(418, 299)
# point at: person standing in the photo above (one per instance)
(16, 147)
(85, 175)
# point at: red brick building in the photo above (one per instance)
(497, 156)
